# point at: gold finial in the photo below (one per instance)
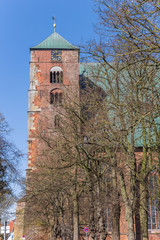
(54, 25)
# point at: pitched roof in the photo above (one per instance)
(54, 41)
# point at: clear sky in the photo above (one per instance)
(24, 24)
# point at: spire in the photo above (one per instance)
(54, 25)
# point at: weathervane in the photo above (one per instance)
(54, 25)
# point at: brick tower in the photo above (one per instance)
(54, 71)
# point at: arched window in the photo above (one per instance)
(56, 97)
(56, 75)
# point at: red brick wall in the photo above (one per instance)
(40, 88)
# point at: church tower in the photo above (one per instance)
(54, 72)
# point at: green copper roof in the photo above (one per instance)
(54, 41)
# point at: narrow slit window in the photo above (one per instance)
(57, 77)
(56, 98)
(50, 77)
(54, 77)
(51, 98)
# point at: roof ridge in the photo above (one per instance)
(54, 41)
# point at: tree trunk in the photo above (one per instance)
(75, 218)
(129, 215)
(115, 216)
(130, 223)
(115, 223)
(144, 188)
(115, 212)
(53, 234)
(92, 218)
(101, 229)
(54, 230)
(143, 212)
(63, 230)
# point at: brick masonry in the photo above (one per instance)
(40, 85)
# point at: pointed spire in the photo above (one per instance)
(54, 25)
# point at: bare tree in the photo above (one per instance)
(128, 59)
(132, 94)
(9, 157)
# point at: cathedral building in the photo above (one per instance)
(55, 72)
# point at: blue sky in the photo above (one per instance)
(23, 24)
